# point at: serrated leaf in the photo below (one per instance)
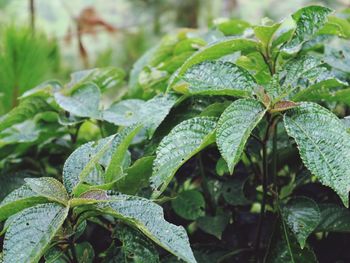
(302, 216)
(333, 219)
(235, 126)
(27, 109)
(83, 102)
(30, 233)
(214, 51)
(136, 248)
(185, 140)
(309, 20)
(285, 248)
(219, 78)
(189, 204)
(85, 164)
(323, 145)
(149, 113)
(148, 217)
(50, 188)
(18, 200)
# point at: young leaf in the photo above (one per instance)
(309, 20)
(323, 145)
(83, 102)
(302, 216)
(19, 199)
(148, 217)
(265, 33)
(50, 188)
(285, 248)
(85, 163)
(219, 78)
(214, 225)
(235, 126)
(31, 231)
(214, 51)
(185, 140)
(333, 219)
(189, 204)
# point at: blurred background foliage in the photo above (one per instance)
(42, 39)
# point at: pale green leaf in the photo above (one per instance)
(265, 33)
(219, 78)
(83, 102)
(214, 51)
(86, 164)
(148, 217)
(50, 188)
(235, 126)
(19, 199)
(32, 230)
(309, 20)
(323, 145)
(302, 216)
(185, 140)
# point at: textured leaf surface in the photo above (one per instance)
(19, 199)
(83, 102)
(148, 217)
(31, 231)
(302, 216)
(309, 20)
(333, 219)
(27, 109)
(149, 113)
(285, 248)
(85, 163)
(184, 141)
(50, 188)
(219, 78)
(234, 128)
(323, 145)
(189, 204)
(214, 51)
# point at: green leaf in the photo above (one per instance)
(27, 109)
(302, 216)
(323, 145)
(214, 51)
(336, 26)
(136, 248)
(85, 252)
(148, 217)
(103, 78)
(83, 102)
(136, 176)
(233, 191)
(309, 20)
(85, 164)
(149, 113)
(24, 132)
(235, 126)
(214, 225)
(285, 248)
(265, 33)
(233, 27)
(50, 188)
(219, 78)
(32, 230)
(189, 204)
(19, 199)
(333, 219)
(185, 140)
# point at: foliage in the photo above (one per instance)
(234, 136)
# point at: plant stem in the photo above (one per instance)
(73, 251)
(205, 185)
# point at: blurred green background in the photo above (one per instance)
(47, 39)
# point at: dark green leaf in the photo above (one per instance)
(189, 204)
